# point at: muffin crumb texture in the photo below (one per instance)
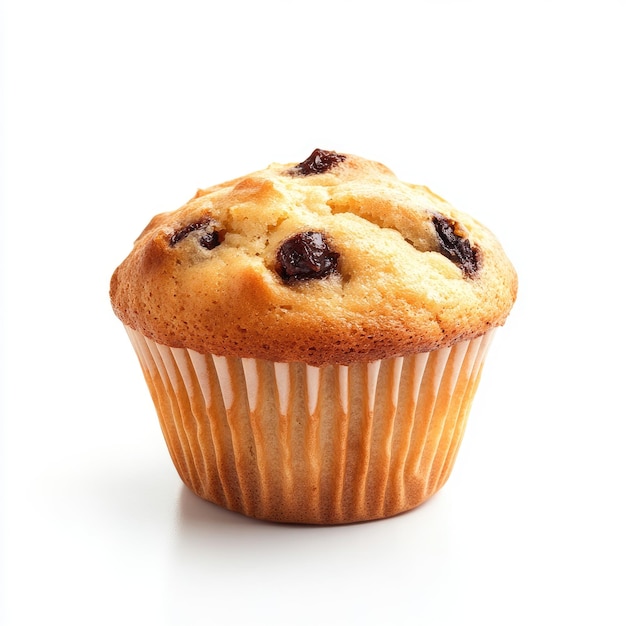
(333, 260)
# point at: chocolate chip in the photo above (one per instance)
(455, 246)
(208, 238)
(304, 256)
(319, 161)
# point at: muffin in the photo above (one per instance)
(312, 336)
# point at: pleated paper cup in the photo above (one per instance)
(289, 442)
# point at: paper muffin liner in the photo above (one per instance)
(293, 443)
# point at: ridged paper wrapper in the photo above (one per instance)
(289, 442)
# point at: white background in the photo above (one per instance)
(113, 111)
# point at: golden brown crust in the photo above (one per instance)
(395, 292)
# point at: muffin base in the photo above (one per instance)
(288, 442)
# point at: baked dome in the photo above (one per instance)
(329, 261)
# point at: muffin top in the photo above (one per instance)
(329, 261)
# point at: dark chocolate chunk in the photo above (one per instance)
(319, 161)
(455, 246)
(208, 238)
(304, 256)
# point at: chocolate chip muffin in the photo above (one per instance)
(312, 335)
